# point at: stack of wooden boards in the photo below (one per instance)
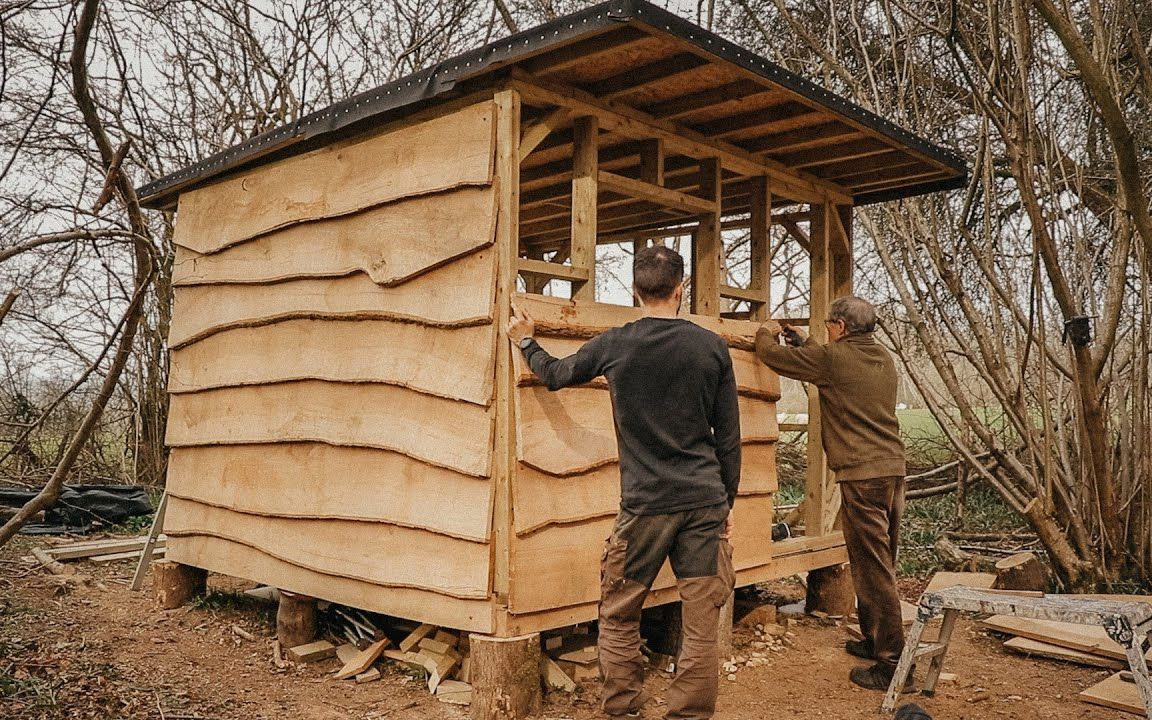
(105, 551)
(1081, 644)
(441, 656)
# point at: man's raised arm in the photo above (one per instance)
(586, 364)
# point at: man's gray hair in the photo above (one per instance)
(858, 314)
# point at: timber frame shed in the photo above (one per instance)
(348, 421)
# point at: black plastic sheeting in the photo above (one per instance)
(79, 507)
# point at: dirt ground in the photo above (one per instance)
(102, 651)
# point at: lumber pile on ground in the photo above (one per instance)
(105, 551)
(1081, 644)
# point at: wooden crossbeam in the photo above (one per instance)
(734, 92)
(582, 50)
(756, 297)
(827, 133)
(542, 268)
(833, 154)
(654, 193)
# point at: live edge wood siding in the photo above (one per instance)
(332, 373)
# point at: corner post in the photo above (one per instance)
(760, 277)
(507, 253)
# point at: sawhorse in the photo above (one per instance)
(1127, 623)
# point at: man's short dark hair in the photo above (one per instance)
(656, 272)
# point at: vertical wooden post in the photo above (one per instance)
(829, 589)
(585, 167)
(707, 248)
(816, 480)
(652, 161)
(176, 583)
(760, 274)
(507, 250)
(505, 677)
(295, 619)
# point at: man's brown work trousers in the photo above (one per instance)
(702, 561)
(871, 519)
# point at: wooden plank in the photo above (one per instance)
(362, 661)
(446, 433)
(707, 245)
(941, 580)
(541, 499)
(315, 480)
(754, 296)
(129, 555)
(1085, 638)
(239, 560)
(585, 176)
(392, 243)
(80, 550)
(445, 152)
(453, 363)
(754, 379)
(641, 190)
(560, 566)
(1117, 694)
(312, 652)
(386, 555)
(456, 295)
(571, 431)
(546, 269)
(1036, 648)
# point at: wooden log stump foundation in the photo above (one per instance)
(505, 677)
(175, 584)
(295, 619)
(830, 590)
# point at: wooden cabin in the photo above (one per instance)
(347, 419)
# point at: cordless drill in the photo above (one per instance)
(792, 336)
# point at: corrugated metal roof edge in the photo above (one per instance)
(434, 82)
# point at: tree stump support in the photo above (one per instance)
(295, 619)
(505, 677)
(830, 590)
(175, 584)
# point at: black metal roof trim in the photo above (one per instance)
(440, 79)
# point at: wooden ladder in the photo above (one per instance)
(1127, 623)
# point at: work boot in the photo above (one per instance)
(878, 677)
(860, 648)
(912, 711)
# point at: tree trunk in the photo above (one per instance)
(505, 677)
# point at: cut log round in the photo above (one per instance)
(1022, 571)
(295, 619)
(505, 677)
(176, 583)
(830, 590)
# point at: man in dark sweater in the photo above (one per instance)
(861, 437)
(678, 432)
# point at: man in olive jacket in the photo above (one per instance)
(861, 436)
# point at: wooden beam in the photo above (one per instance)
(751, 295)
(761, 117)
(760, 255)
(629, 122)
(860, 165)
(817, 477)
(582, 50)
(707, 247)
(734, 92)
(797, 234)
(637, 78)
(655, 194)
(585, 174)
(832, 154)
(829, 132)
(542, 128)
(652, 161)
(542, 268)
(507, 250)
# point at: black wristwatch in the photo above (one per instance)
(526, 343)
